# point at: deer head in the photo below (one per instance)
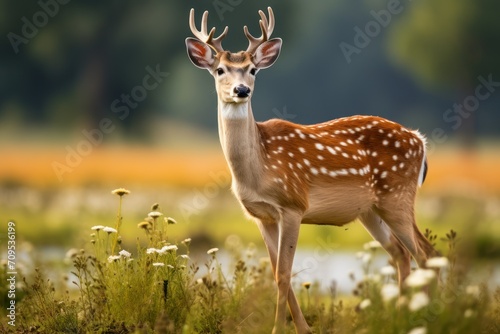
(234, 73)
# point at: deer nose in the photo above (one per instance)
(242, 91)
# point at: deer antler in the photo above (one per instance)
(265, 27)
(202, 35)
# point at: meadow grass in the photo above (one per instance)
(157, 288)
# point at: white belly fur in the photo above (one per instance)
(337, 205)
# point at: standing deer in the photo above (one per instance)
(286, 174)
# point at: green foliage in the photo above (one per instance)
(44, 311)
(448, 42)
(159, 290)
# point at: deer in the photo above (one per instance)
(364, 168)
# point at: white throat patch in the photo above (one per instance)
(234, 110)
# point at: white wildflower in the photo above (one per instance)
(212, 250)
(184, 256)
(155, 214)
(168, 248)
(387, 271)
(389, 291)
(71, 253)
(145, 225)
(468, 313)
(124, 253)
(120, 192)
(250, 252)
(113, 258)
(170, 221)
(109, 230)
(151, 250)
(418, 330)
(366, 258)
(371, 245)
(97, 228)
(199, 281)
(186, 241)
(418, 300)
(473, 290)
(170, 266)
(420, 277)
(437, 262)
(364, 304)
(158, 264)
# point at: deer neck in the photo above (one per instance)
(241, 142)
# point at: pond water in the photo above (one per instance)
(320, 266)
(328, 265)
(324, 267)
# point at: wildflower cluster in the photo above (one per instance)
(153, 288)
(158, 288)
(427, 302)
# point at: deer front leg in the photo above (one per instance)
(289, 226)
(270, 234)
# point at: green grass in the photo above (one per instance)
(155, 287)
(60, 221)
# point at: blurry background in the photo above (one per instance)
(96, 95)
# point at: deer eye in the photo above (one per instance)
(219, 71)
(253, 71)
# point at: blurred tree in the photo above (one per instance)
(73, 63)
(455, 45)
(65, 64)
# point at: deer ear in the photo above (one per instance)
(267, 53)
(199, 53)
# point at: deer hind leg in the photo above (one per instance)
(270, 234)
(400, 218)
(379, 230)
(424, 245)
